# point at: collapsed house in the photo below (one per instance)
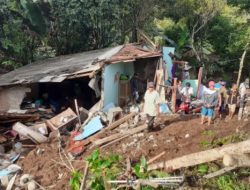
(95, 76)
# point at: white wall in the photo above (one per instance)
(110, 84)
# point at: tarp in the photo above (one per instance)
(92, 127)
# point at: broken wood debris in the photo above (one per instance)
(156, 157)
(220, 172)
(23, 130)
(203, 157)
(119, 135)
(6, 118)
(62, 120)
(121, 121)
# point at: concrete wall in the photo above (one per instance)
(111, 77)
(11, 98)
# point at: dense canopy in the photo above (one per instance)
(212, 33)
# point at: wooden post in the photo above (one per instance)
(241, 64)
(77, 112)
(199, 81)
(84, 179)
(174, 90)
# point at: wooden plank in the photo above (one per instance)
(114, 141)
(119, 135)
(156, 157)
(84, 179)
(120, 121)
(15, 117)
(174, 90)
(219, 172)
(203, 156)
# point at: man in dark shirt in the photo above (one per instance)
(233, 98)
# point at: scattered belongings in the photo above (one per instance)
(40, 128)
(13, 168)
(23, 130)
(61, 120)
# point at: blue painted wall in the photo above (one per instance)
(168, 60)
(110, 85)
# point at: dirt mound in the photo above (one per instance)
(47, 166)
(177, 138)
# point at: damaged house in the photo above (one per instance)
(100, 76)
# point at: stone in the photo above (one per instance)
(31, 185)
(4, 181)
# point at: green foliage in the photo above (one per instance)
(228, 182)
(203, 169)
(101, 166)
(140, 169)
(208, 133)
(75, 180)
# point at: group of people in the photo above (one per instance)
(214, 98)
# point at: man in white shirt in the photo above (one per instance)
(151, 104)
(187, 92)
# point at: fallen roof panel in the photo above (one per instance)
(54, 69)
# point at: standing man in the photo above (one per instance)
(223, 96)
(151, 104)
(233, 98)
(210, 100)
(243, 98)
(187, 92)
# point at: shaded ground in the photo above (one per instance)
(178, 138)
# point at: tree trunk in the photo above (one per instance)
(241, 64)
(203, 157)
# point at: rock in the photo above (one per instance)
(31, 185)
(25, 179)
(40, 151)
(151, 138)
(5, 181)
(187, 135)
(155, 145)
(140, 135)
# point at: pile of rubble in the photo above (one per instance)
(80, 131)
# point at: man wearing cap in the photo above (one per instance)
(151, 104)
(210, 100)
(243, 98)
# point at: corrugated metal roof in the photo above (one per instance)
(75, 65)
(57, 69)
